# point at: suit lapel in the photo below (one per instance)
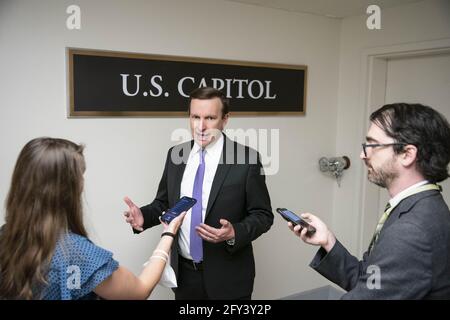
(178, 176)
(222, 171)
(406, 205)
(183, 150)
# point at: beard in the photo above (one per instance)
(384, 175)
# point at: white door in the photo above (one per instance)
(420, 79)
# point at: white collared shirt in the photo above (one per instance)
(213, 153)
(401, 195)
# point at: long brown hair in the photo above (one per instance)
(44, 201)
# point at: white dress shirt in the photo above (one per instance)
(401, 195)
(212, 157)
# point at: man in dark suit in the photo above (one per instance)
(407, 151)
(212, 255)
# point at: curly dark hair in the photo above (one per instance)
(422, 127)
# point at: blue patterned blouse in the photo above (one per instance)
(77, 267)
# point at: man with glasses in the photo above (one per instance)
(407, 151)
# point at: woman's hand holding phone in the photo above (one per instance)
(175, 224)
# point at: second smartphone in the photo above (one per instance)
(184, 204)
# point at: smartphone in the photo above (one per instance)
(295, 219)
(184, 204)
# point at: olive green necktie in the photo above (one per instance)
(380, 224)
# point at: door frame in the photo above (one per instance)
(374, 77)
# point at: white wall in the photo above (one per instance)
(407, 25)
(125, 156)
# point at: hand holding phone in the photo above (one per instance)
(296, 220)
(184, 204)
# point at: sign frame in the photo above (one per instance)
(73, 113)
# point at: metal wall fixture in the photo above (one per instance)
(335, 166)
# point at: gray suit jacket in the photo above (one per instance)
(412, 255)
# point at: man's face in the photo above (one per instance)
(381, 161)
(206, 120)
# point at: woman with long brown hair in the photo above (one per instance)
(45, 252)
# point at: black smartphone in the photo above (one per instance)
(184, 204)
(295, 219)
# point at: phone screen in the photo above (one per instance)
(184, 204)
(292, 216)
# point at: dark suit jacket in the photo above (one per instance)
(412, 254)
(238, 194)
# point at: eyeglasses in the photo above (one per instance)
(374, 145)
